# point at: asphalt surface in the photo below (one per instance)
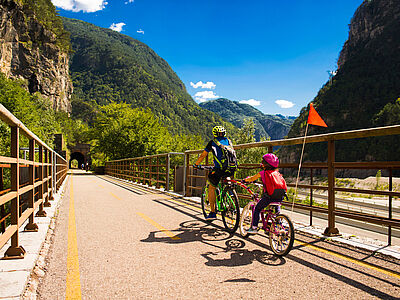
(133, 243)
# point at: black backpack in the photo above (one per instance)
(229, 161)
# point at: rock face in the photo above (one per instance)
(368, 23)
(28, 51)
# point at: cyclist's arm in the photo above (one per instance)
(201, 157)
(252, 178)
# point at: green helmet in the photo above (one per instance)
(219, 131)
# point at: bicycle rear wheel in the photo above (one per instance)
(231, 211)
(246, 219)
(281, 235)
(205, 204)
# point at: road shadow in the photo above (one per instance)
(244, 257)
(198, 231)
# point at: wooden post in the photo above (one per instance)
(390, 206)
(15, 250)
(331, 230)
(46, 175)
(187, 183)
(167, 175)
(31, 226)
(51, 182)
(311, 195)
(158, 174)
(41, 212)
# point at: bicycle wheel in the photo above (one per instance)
(246, 219)
(231, 211)
(281, 235)
(205, 204)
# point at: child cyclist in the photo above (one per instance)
(274, 187)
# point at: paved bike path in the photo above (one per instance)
(132, 243)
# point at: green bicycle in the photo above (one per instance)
(226, 202)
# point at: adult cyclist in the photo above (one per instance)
(218, 171)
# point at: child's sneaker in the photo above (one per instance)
(252, 230)
(211, 216)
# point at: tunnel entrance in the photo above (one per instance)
(79, 157)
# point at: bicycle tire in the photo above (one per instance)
(205, 204)
(281, 235)
(231, 210)
(245, 219)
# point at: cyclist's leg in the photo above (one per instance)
(213, 178)
(211, 197)
(265, 200)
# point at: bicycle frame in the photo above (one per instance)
(267, 213)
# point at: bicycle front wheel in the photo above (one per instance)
(246, 218)
(205, 204)
(281, 235)
(231, 211)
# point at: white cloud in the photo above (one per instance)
(81, 5)
(205, 96)
(206, 85)
(117, 26)
(284, 103)
(141, 31)
(129, 1)
(251, 102)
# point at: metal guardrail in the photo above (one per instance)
(153, 170)
(330, 165)
(46, 172)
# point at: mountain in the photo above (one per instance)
(35, 48)
(107, 66)
(266, 126)
(365, 91)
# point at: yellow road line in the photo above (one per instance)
(353, 260)
(115, 196)
(158, 226)
(73, 290)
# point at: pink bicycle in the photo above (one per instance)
(278, 227)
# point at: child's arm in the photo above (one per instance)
(252, 178)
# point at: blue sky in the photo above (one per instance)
(274, 54)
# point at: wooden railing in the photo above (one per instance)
(330, 165)
(152, 170)
(46, 171)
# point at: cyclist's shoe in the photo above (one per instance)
(211, 216)
(252, 230)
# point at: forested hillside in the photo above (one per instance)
(266, 126)
(365, 91)
(107, 66)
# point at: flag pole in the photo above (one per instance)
(298, 172)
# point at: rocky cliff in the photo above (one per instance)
(29, 51)
(369, 22)
(364, 93)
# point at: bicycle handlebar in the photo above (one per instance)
(202, 167)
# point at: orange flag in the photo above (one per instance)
(314, 118)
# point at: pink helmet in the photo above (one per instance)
(271, 159)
